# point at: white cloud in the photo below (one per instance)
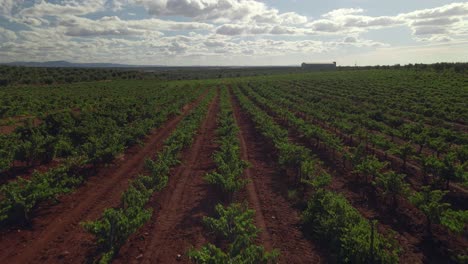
(7, 7)
(113, 25)
(44, 8)
(450, 10)
(343, 12)
(441, 23)
(445, 22)
(325, 25)
(221, 11)
(436, 22)
(351, 20)
(264, 29)
(430, 30)
(7, 35)
(204, 9)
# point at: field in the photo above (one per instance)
(348, 166)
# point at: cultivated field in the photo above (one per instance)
(351, 166)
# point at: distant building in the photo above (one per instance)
(319, 66)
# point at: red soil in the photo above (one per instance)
(178, 210)
(19, 121)
(55, 234)
(7, 129)
(279, 221)
(22, 120)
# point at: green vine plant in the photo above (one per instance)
(233, 224)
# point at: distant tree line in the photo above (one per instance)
(20, 75)
(17, 75)
(442, 66)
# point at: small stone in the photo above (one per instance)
(19, 230)
(64, 254)
(273, 217)
(139, 256)
(146, 234)
(179, 257)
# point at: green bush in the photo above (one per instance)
(235, 225)
(350, 237)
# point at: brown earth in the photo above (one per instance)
(277, 217)
(176, 224)
(55, 234)
(17, 121)
(9, 124)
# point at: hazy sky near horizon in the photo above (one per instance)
(234, 32)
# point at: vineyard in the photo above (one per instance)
(350, 166)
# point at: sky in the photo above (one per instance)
(234, 32)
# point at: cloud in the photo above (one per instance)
(430, 30)
(7, 7)
(221, 11)
(325, 25)
(348, 20)
(372, 22)
(446, 22)
(203, 9)
(7, 35)
(350, 40)
(272, 16)
(265, 29)
(438, 24)
(230, 30)
(450, 10)
(113, 25)
(343, 12)
(44, 8)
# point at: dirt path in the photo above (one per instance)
(55, 234)
(274, 214)
(251, 187)
(179, 209)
